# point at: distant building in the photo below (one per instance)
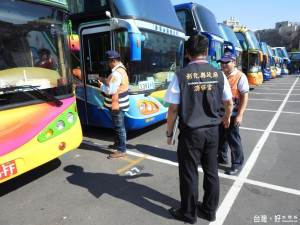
(234, 23)
(286, 34)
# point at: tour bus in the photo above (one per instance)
(276, 61)
(266, 64)
(252, 56)
(295, 62)
(286, 61)
(231, 43)
(39, 120)
(280, 62)
(273, 61)
(196, 19)
(150, 41)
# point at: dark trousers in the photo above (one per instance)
(117, 117)
(197, 147)
(231, 137)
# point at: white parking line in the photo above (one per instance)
(239, 182)
(273, 131)
(263, 99)
(265, 110)
(261, 93)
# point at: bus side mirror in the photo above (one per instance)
(229, 47)
(135, 41)
(211, 47)
(74, 44)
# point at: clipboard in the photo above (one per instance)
(174, 131)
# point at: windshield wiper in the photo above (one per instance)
(156, 89)
(45, 94)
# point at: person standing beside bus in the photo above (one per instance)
(116, 100)
(195, 94)
(231, 136)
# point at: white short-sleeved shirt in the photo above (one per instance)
(173, 92)
(114, 83)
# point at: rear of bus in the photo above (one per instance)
(38, 114)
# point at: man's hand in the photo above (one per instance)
(100, 80)
(169, 140)
(100, 83)
(226, 121)
(238, 120)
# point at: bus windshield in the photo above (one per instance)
(252, 40)
(242, 40)
(271, 51)
(264, 48)
(33, 51)
(284, 52)
(206, 20)
(161, 58)
(164, 13)
(229, 35)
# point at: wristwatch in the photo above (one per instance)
(169, 135)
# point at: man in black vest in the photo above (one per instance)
(195, 94)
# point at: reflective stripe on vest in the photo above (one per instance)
(119, 100)
(233, 82)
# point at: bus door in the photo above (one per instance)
(95, 42)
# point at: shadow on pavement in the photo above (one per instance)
(119, 187)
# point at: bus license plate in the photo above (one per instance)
(8, 169)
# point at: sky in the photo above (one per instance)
(255, 14)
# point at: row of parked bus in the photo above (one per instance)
(257, 60)
(49, 47)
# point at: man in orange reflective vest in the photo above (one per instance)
(116, 100)
(231, 136)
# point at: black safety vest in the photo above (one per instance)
(201, 88)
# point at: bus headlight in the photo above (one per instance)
(147, 107)
(142, 107)
(70, 117)
(60, 125)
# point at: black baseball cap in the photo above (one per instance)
(110, 55)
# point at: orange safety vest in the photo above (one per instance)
(233, 82)
(119, 100)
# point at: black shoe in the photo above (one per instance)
(207, 216)
(178, 215)
(232, 171)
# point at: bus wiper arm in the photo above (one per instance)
(45, 94)
(51, 97)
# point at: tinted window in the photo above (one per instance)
(154, 10)
(206, 20)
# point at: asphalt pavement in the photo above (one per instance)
(83, 187)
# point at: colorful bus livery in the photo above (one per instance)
(252, 56)
(38, 112)
(35, 134)
(149, 39)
